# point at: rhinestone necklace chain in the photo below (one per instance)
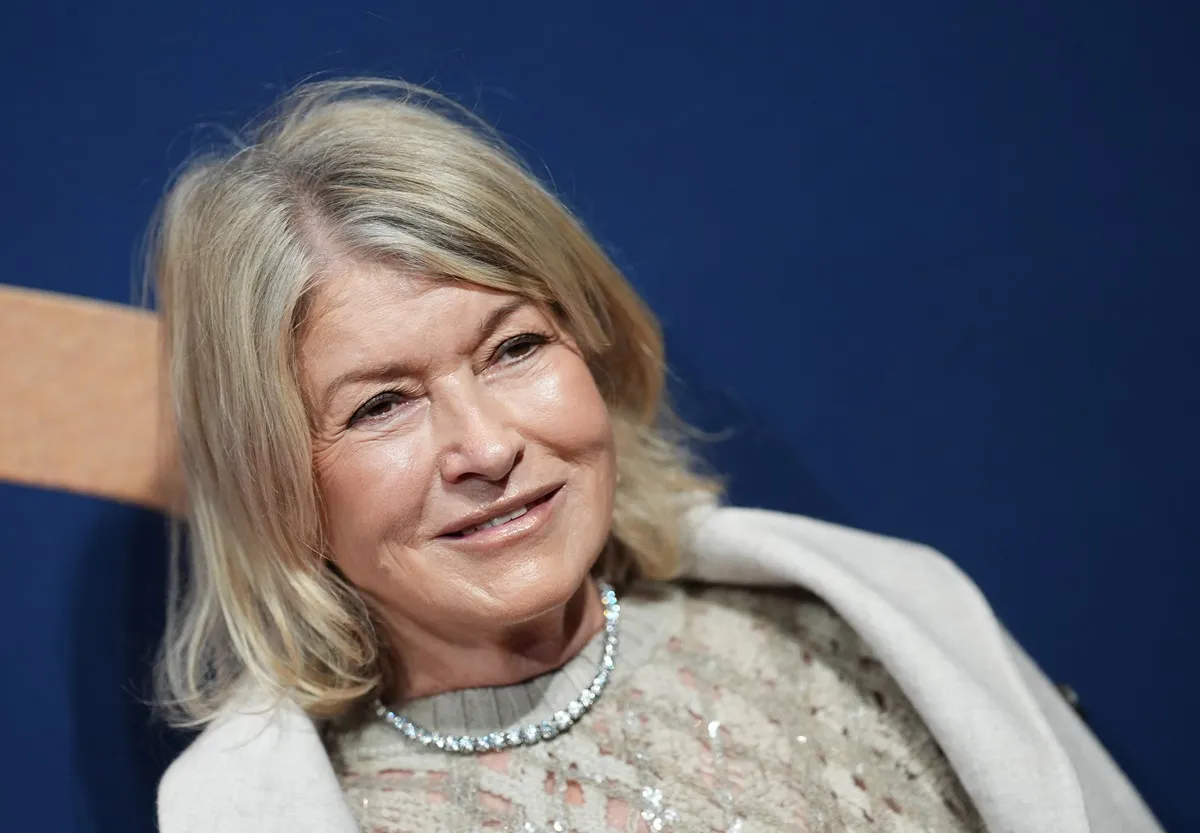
(531, 733)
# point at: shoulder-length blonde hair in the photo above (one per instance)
(381, 171)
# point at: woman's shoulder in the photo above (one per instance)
(990, 707)
(259, 768)
(749, 546)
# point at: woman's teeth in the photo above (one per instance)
(503, 519)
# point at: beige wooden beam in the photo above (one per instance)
(80, 399)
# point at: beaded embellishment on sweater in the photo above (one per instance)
(751, 711)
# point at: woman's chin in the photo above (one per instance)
(524, 598)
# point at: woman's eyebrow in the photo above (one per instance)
(492, 321)
(358, 375)
(397, 369)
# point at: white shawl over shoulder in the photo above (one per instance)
(1027, 761)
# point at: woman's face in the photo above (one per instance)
(463, 453)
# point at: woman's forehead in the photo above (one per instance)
(375, 316)
(357, 297)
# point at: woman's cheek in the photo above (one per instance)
(577, 416)
(374, 490)
(547, 399)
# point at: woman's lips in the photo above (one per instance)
(518, 524)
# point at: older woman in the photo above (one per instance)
(434, 514)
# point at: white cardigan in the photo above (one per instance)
(1024, 757)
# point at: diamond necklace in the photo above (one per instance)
(531, 733)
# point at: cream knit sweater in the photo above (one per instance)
(729, 710)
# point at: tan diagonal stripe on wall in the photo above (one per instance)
(79, 408)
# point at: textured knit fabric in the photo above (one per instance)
(729, 710)
(1027, 761)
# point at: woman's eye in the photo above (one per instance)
(519, 347)
(377, 406)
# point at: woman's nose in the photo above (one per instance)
(475, 434)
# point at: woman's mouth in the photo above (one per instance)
(501, 521)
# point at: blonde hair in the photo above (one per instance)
(379, 171)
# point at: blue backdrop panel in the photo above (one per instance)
(933, 264)
(80, 750)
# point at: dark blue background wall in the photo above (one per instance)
(934, 262)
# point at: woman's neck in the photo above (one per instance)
(433, 664)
